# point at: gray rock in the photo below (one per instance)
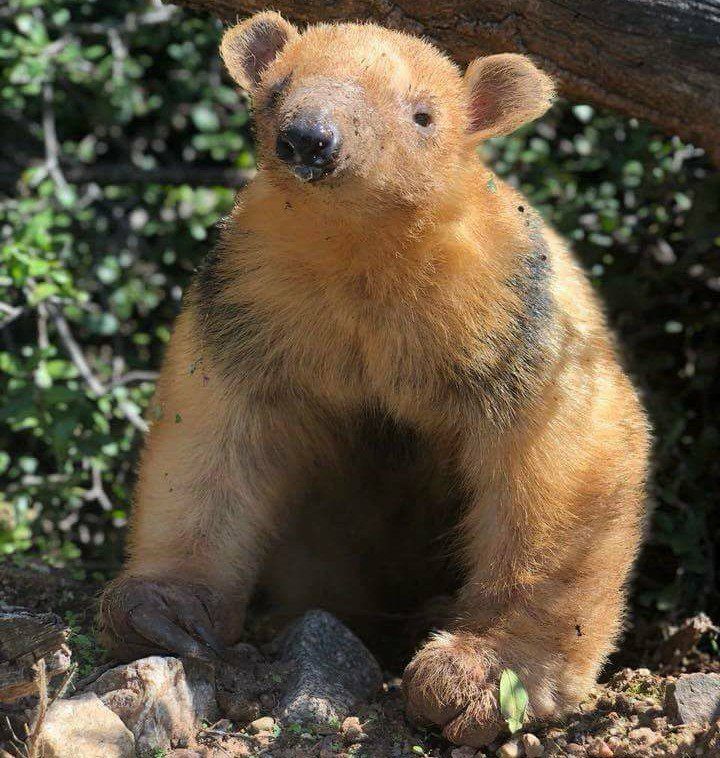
(83, 727)
(693, 699)
(330, 670)
(161, 700)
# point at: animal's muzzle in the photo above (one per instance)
(309, 146)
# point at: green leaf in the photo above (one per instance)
(24, 22)
(42, 291)
(66, 195)
(42, 376)
(513, 700)
(205, 118)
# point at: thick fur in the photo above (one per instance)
(392, 385)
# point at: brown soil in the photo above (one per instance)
(624, 716)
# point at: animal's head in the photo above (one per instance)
(355, 108)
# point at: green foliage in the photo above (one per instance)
(131, 92)
(155, 752)
(513, 700)
(107, 106)
(87, 654)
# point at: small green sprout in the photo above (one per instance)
(513, 700)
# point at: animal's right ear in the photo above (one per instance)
(250, 47)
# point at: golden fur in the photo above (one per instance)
(401, 356)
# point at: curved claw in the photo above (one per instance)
(196, 620)
(157, 629)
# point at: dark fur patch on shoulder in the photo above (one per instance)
(236, 336)
(513, 377)
(532, 285)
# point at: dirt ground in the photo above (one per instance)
(623, 716)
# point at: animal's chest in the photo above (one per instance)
(374, 353)
(406, 357)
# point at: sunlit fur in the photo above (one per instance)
(414, 289)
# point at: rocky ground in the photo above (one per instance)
(316, 691)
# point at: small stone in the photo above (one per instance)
(352, 729)
(600, 749)
(686, 739)
(574, 749)
(330, 670)
(532, 745)
(693, 698)
(644, 735)
(463, 752)
(160, 700)
(83, 727)
(263, 724)
(511, 749)
(224, 725)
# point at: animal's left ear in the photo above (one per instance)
(504, 92)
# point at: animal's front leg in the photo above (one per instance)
(554, 637)
(556, 652)
(215, 472)
(543, 596)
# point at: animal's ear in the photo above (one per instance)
(250, 47)
(504, 92)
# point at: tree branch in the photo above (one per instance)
(657, 60)
(78, 358)
(52, 146)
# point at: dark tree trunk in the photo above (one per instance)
(657, 60)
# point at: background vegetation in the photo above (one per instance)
(122, 143)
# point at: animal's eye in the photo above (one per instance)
(274, 97)
(277, 89)
(422, 118)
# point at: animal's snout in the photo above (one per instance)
(309, 147)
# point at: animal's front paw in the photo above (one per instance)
(140, 617)
(452, 682)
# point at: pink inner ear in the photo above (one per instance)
(484, 107)
(267, 40)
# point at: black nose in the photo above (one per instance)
(310, 145)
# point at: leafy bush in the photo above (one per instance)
(109, 104)
(122, 140)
